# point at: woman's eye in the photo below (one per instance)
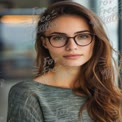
(57, 38)
(84, 36)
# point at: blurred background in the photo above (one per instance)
(18, 21)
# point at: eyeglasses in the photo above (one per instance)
(60, 40)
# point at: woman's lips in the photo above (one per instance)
(72, 56)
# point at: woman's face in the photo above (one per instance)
(71, 54)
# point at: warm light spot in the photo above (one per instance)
(19, 19)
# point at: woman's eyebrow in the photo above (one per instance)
(82, 31)
(58, 33)
(66, 34)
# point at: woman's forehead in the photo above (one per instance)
(69, 24)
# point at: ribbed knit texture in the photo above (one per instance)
(30, 101)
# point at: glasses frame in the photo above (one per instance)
(67, 39)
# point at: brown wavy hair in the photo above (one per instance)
(98, 82)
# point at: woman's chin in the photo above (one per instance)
(72, 64)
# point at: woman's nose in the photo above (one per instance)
(71, 45)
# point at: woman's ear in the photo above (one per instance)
(43, 42)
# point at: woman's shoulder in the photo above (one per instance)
(22, 85)
(27, 86)
(23, 91)
(23, 102)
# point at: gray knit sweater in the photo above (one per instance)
(31, 101)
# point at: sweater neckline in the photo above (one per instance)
(51, 86)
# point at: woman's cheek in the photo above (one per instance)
(55, 56)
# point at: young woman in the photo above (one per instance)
(76, 77)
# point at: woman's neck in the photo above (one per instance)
(64, 76)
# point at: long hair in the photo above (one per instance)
(98, 79)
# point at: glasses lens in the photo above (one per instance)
(58, 40)
(83, 39)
